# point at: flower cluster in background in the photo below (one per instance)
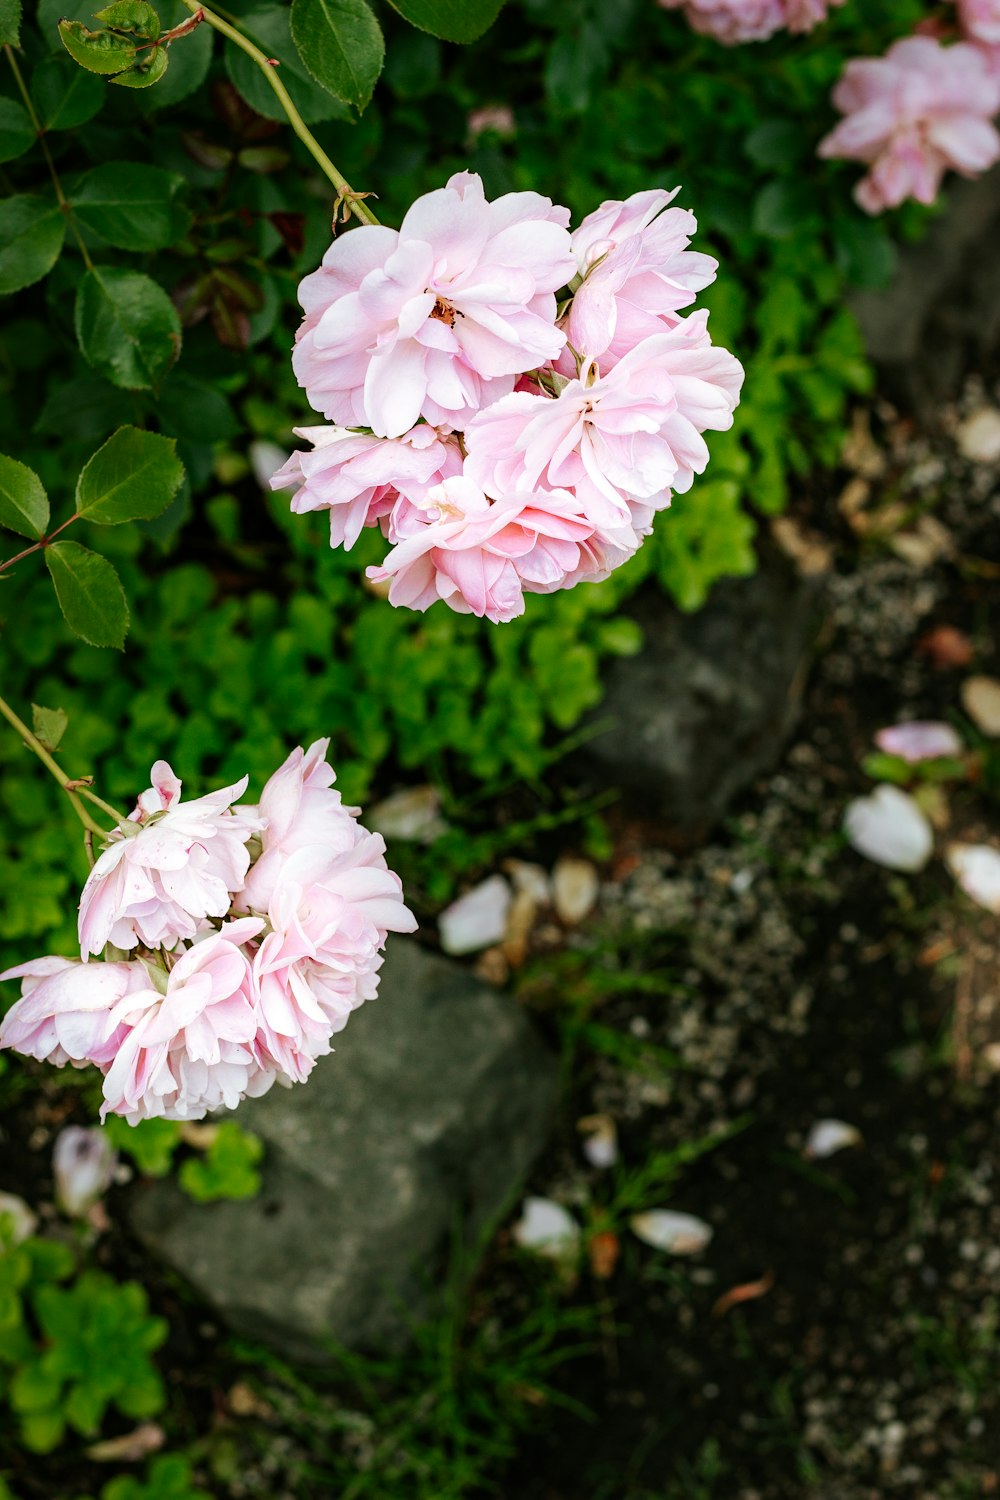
(927, 107)
(236, 941)
(506, 442)
(734, 21)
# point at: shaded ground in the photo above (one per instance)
(725, 999)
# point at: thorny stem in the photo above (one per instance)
(40, 133)
(35, 745)
(346, 195)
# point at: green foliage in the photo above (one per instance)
(341, 44)
(169, 1478)
(24, 505)
(228, 1169)
(151, 1144)
(68, 1352)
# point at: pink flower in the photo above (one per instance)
(621, 441)
(329, 916)
(481, 556)
(919, 740)
(803, 15)
(63, 1015)
(637, 274)
(188, 1044)
(913, 114)
(167, 868)
(360, 478)
(437, 318)
(732, 21)
(980, 20)
(299, 810)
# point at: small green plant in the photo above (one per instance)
(228, 1168)
(151, 1144)
(72, 1351)
(168, 1478)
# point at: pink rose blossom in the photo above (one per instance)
(481, 557)
(63, 1015)
(167, 868)
(299, 809)
(188, 1046)
(437, 318)
(637, 274)
(980, 20)
(803, 15)
(919, 740)
(360, 478)
(329, 916)
(621, 442)
(911, 115)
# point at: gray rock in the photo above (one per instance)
(940, 316)
(429, 1114)
(707, 704)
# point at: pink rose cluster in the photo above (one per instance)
(735, 21)
(236, 941)
(925, 108)
(510, 402)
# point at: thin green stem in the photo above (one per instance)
(112, 812)
(40, 133)
(345, 193)
(51, 765)
(38, 546)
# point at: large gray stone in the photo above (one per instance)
(940, 316)
(429, 1114)
(707, 704)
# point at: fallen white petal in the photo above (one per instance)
(829, 1136)
(476, 920)
(530, 880)
(981, 701)
(979, 436)
(889, 828)
(679, 1234)
(83, 1165)
(547, 1229)
(976, 867)
(21, 1221)
(411, 814)
(600, 1140)
(919, 740)
(575, 886)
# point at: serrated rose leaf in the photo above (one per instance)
(133, 477)
(90, 594)
(24, 505)
(340, 44)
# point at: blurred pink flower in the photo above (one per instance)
(83, 1166)
(188, 1047)
(481, 557)
(329, 917)
(63, 1015)
(621, 442)
(496, 117)
(437, 318)
(360, 478)
(734, 21)
(919, 740)
(637, 274)
(167, 868)
(980, 20)
(912, 115)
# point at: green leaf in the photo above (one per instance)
(17, 134)
(151, 1144)
(97, 51)
(268, 26)
(782, 208)
(340, 43)
(452, 20)
(133, 477)
(777, 143)
(146, 72)
(229, 1169)
(89, 592)
(10, 23)
(24, 505)
(32, 231)
(132, 206)
(65, 96)
(49, 725)
(127, 327)
(133, 16)
(194, 51)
